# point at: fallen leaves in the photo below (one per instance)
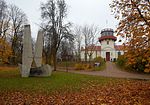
(134, 92)
(6, 68)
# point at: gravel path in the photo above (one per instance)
(113, 71)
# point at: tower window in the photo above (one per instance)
(108, 42)
(119, 53)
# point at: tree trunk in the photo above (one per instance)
(54, 61)
(47, 58)
(90, 58)
(52, 58)
(85, 56)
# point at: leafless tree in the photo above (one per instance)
(89, 33)
(18, 19)
(4, 19)
(53, 14)
(67, 50)
(78, 41)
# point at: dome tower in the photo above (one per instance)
(107, 41)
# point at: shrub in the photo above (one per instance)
(135, 65)
(83, 66)
(138, 57)
(79, 66)
(121, 61)
(90, 65)
(87, 66)
(138, 64)
(102, 63)
(99, 60)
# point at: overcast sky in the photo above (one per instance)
(80, 12)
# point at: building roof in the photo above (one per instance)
(107, 29)
(107, 37)
(92, 48)
(98, 48)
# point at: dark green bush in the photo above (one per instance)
(121, 61)
(138, 65)
(100, 60)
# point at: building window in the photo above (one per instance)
(107, 42)
(106, 33)
(119, 53)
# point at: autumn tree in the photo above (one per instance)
(12, 20)
(134, 25)
(5, 48)
(5, 51)
(18, 19)
(53, 14)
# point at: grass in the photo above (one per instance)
(89, 66)
(100, 68)
(81, 65)
(63, 88)
(59, 81)
(66, 63)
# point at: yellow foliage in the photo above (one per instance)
(80, 66)
(147, 70)
(143, 60)
(5, 51)
(87, 66)
(134, 25)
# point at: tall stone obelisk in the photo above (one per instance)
(38, 49)
(27, 56)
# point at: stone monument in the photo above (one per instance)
(28, 56)
(38, 49)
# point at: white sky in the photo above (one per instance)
(80, 12)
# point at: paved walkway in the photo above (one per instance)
(112, 71)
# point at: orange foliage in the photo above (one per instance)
(120, 92)
(80, 66)
(134, 17)
(8, 68)
(5, 51)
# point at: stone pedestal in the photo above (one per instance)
(44, 70)
(24, 70)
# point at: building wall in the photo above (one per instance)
(108, 46)
(117, 52)
(94, 55)
(113, 53)
(105, 47)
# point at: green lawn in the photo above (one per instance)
(11, 80)
(64, 88)
(100, 68)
